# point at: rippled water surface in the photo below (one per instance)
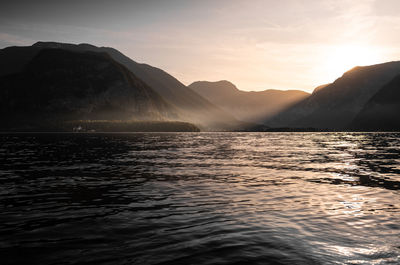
(200, 198)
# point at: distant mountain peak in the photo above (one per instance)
(252, 106)
(222, 85)
(225, 82)
(60, 45)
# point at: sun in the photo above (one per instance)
(342, 58)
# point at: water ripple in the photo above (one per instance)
(200, 198)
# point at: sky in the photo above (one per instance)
(256, 44)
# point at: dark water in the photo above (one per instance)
(200, 198)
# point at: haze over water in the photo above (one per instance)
(200, 198)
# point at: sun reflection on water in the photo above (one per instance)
(295, 198)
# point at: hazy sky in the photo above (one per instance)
(256, 44)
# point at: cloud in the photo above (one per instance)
(386, 8)
(12, 40)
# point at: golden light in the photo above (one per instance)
(344, 57)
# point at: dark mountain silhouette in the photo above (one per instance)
(14, 59)
(382, 111)
(336, 105)
(318, 88)
(244, 105)
(56, 81)
(191, 106)
(59, 85)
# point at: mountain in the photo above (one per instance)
(337, 104)
(60, 85)
(244, 105)
(193, 107)
(318, 88)
(382, 111)
(190, 106)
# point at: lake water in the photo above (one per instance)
(200, 198)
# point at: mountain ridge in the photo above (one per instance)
(192, 107)
(336, 105)
(340, 105)
(59, 85)
(251, 106)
